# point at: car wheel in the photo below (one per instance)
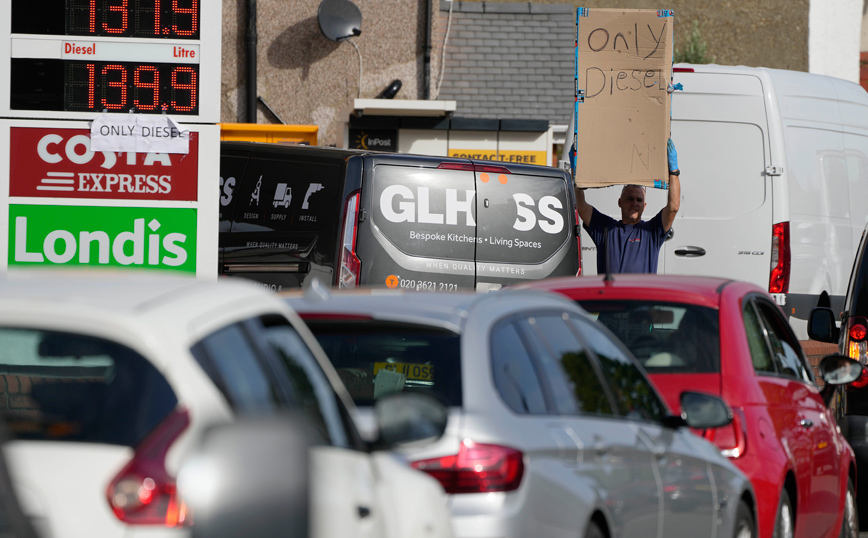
(594, 531)
(784, 522)
(744, 524)
(850, 525)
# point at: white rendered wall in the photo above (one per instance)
(834, 38)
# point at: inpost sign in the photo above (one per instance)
(147, 238)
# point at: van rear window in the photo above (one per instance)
(664, 337)
(60, 386)
(378, 358)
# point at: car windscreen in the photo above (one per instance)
(664, 337)
(376, 358)
(61, 386)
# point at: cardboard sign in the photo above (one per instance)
(624, 66)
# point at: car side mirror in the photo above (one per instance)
(821, 325)
(701, 411)
(250, 478)
(839, 370)
(409, 418)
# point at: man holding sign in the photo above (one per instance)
(632, 245)
(621, 123)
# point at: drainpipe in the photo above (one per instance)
(426, 61)
(251, 61)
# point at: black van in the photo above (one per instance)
(362, 218)
(852, 340)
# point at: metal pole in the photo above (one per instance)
(426, 69)
(251, 61)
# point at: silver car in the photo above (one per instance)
(553, 428)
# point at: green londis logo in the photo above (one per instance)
(144, 237)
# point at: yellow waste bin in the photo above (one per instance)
(258, 132)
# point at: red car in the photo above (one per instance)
(730, 339)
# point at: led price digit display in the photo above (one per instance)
(82, 85)
(173, 19)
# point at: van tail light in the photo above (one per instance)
(475, 167)
(579, 241)
(779, 280)
(682, 70)
(351, 266)
(477, 468)
(144, 493)
(856, 339)
(732, 438)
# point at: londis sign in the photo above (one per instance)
(147, 238)
(59, 163)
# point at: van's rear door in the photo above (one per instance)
(526, 223)
(724, 224)
(420, 228)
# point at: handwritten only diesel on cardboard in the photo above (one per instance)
(624, 65)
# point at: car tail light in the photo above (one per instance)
(351, 266)
(779, 280)
(477, 468)
(732, 438)
(144, 493)
(579, 241)
(682, 70)
(862, 381)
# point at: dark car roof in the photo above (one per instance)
(330, 153)
(676, 288)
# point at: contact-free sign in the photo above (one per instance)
(59, 163)
(147, 238)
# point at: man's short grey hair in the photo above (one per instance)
(628, 186)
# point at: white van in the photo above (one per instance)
(774, 183)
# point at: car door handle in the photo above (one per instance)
(364, 511)
(805, 423)
(690, 252)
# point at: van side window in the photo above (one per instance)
(514, 374)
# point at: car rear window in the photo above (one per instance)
(378, 358)
(59, 386)
(664, 337)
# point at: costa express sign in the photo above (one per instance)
(58, 163)
(149, 238)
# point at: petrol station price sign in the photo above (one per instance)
(64, 203)
(76, 58)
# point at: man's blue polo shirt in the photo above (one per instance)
(633, 248)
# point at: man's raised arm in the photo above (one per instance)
(674, 198)
(585, 209)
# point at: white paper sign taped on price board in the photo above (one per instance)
(138, 134)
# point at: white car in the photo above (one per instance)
(109, 379)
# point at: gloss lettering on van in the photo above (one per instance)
(526, 218)
(407, 209)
